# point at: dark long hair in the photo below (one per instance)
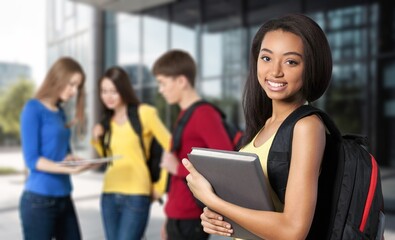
(123, 85)
(316, 74)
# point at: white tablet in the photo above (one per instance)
(89, 161)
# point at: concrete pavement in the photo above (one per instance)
(87, 188)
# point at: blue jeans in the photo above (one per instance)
(46, 218)
(125, 216)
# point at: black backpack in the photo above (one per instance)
(350, 201)
(155, 149)
(235, 133)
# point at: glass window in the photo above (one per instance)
(224, 54)
(183, 38)
(69, 9)
(123, 43)
(319, 17)
(84, 16)
(211, 88)
(389, 108)
(155, 39)
(128, 40)
(389, 75)
(224, 64)
(349, 37)
(233, 86)
(223, 51)
(212, 54)
(58, 5)
(347, 17)
(110, 42)
(68, 38)
(155, 43)
(52, 54)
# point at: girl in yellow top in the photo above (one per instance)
(127, 190)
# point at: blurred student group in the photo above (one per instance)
(119, 74)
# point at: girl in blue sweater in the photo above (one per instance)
(46, 208)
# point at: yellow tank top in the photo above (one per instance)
(263, 151)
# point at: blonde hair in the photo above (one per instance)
(56, 81)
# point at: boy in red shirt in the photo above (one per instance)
(175, 72)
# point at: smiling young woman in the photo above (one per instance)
(290, 65)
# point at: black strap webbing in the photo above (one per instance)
(136, 124)
(281, 148)
(179, 128)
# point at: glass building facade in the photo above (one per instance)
(71, 32)
(218, 33)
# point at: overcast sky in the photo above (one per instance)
(22, 34)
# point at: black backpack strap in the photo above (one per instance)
(223, 115)
(179, 128)
(281, 149)
(136, 124)
(106, 137)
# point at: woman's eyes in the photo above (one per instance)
(292, 62)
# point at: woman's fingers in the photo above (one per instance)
(213, 223)
(211, 214)
(188, 165)
(212, 229)
(193, 173)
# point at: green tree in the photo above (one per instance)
(11, 104)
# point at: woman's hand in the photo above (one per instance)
(213, 223)
(79, 168)
(47, 165)
(169, 162)
(198, 185)
(97, 131)
(70, 158)
(82, 168)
